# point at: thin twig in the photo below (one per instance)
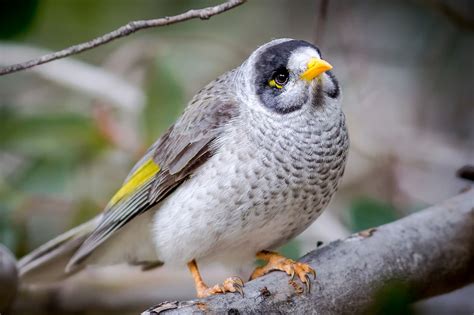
(90, 80)
(123, 31)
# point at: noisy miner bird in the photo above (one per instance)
(251, 163)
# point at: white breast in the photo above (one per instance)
(251, 196)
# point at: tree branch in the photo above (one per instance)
(8, 279)
(429, 253)
(123, 31)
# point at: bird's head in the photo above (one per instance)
(286, 75)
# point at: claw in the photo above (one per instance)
(234, 284)
(291, 267)
(239, 289)
(307, 283)
(239, 281)
(231, 284)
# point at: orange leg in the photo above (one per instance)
(277, 262)
(232, 284)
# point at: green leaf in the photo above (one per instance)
(366, 213)
(86, 210)
(63, 135)
(45, 177)
(7, 233)
(55, 144)
(165, 100)
(291, 249)
(394, 298)
(16, 17)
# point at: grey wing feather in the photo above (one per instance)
(179, 152)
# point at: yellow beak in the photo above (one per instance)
(315, 68)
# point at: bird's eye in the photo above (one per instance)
(279, 78)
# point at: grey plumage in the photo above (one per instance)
(183, 148)
(245, 168)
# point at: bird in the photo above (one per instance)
(253, 160)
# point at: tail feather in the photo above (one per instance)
(48, 262)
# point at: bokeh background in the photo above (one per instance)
(71, 130)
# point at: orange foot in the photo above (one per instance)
(232, 284)
(291, 267)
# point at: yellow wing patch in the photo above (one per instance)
(138, 178)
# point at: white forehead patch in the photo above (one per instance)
(300, 57)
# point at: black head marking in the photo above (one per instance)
(278, 55)
(336, 91)
(271, 59)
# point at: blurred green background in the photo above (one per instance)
(70, 131)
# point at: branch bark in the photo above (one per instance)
(131, 27)
(8, 279)
(429, 253)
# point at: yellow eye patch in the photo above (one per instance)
(272, 83)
